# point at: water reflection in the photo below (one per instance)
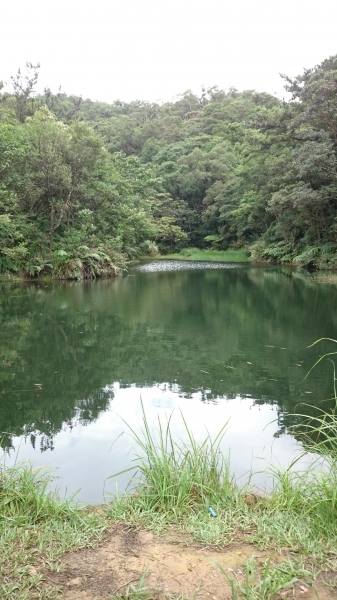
(86, 455)
(219, 342)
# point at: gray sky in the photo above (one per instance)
(156, 49)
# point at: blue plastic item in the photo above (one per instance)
(211, 511)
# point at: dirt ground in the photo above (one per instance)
(174, 568)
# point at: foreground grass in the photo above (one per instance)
(36, 528)
(296, 523)
(235, 256)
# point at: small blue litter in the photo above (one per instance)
(211, 511)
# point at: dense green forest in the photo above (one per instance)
(86, 186)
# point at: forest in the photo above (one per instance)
(87, 186)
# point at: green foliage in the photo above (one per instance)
(37, 526)
(69, 208)
(176, 476)
(23, 86)
(86, 263)
(140, 591)
(297, 517)
(319, 432)
(268, 584)
(232, 168)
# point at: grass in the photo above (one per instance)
(265, 583)
(175, 476)
(36, 528)
(321, 430)
(235, 256)
(178, 482)
(140, 591)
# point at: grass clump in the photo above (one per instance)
(36, 528)
(265, 583)
(319, 432)
(139, 591)
(175, 478)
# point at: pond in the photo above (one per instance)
(225, 343)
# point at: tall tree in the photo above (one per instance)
(23, 85)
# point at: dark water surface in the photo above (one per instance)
(222, 342)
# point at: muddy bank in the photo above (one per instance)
(175, 565)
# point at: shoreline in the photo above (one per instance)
(187, 511)
(328, 275)
(255, 544)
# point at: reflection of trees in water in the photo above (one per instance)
(198, 330)
(46, 443)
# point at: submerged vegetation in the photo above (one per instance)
(86, 186)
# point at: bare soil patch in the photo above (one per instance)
(175, 567)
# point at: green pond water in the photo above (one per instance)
(223, 343)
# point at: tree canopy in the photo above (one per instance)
(85, 186)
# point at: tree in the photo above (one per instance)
(23, 86)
